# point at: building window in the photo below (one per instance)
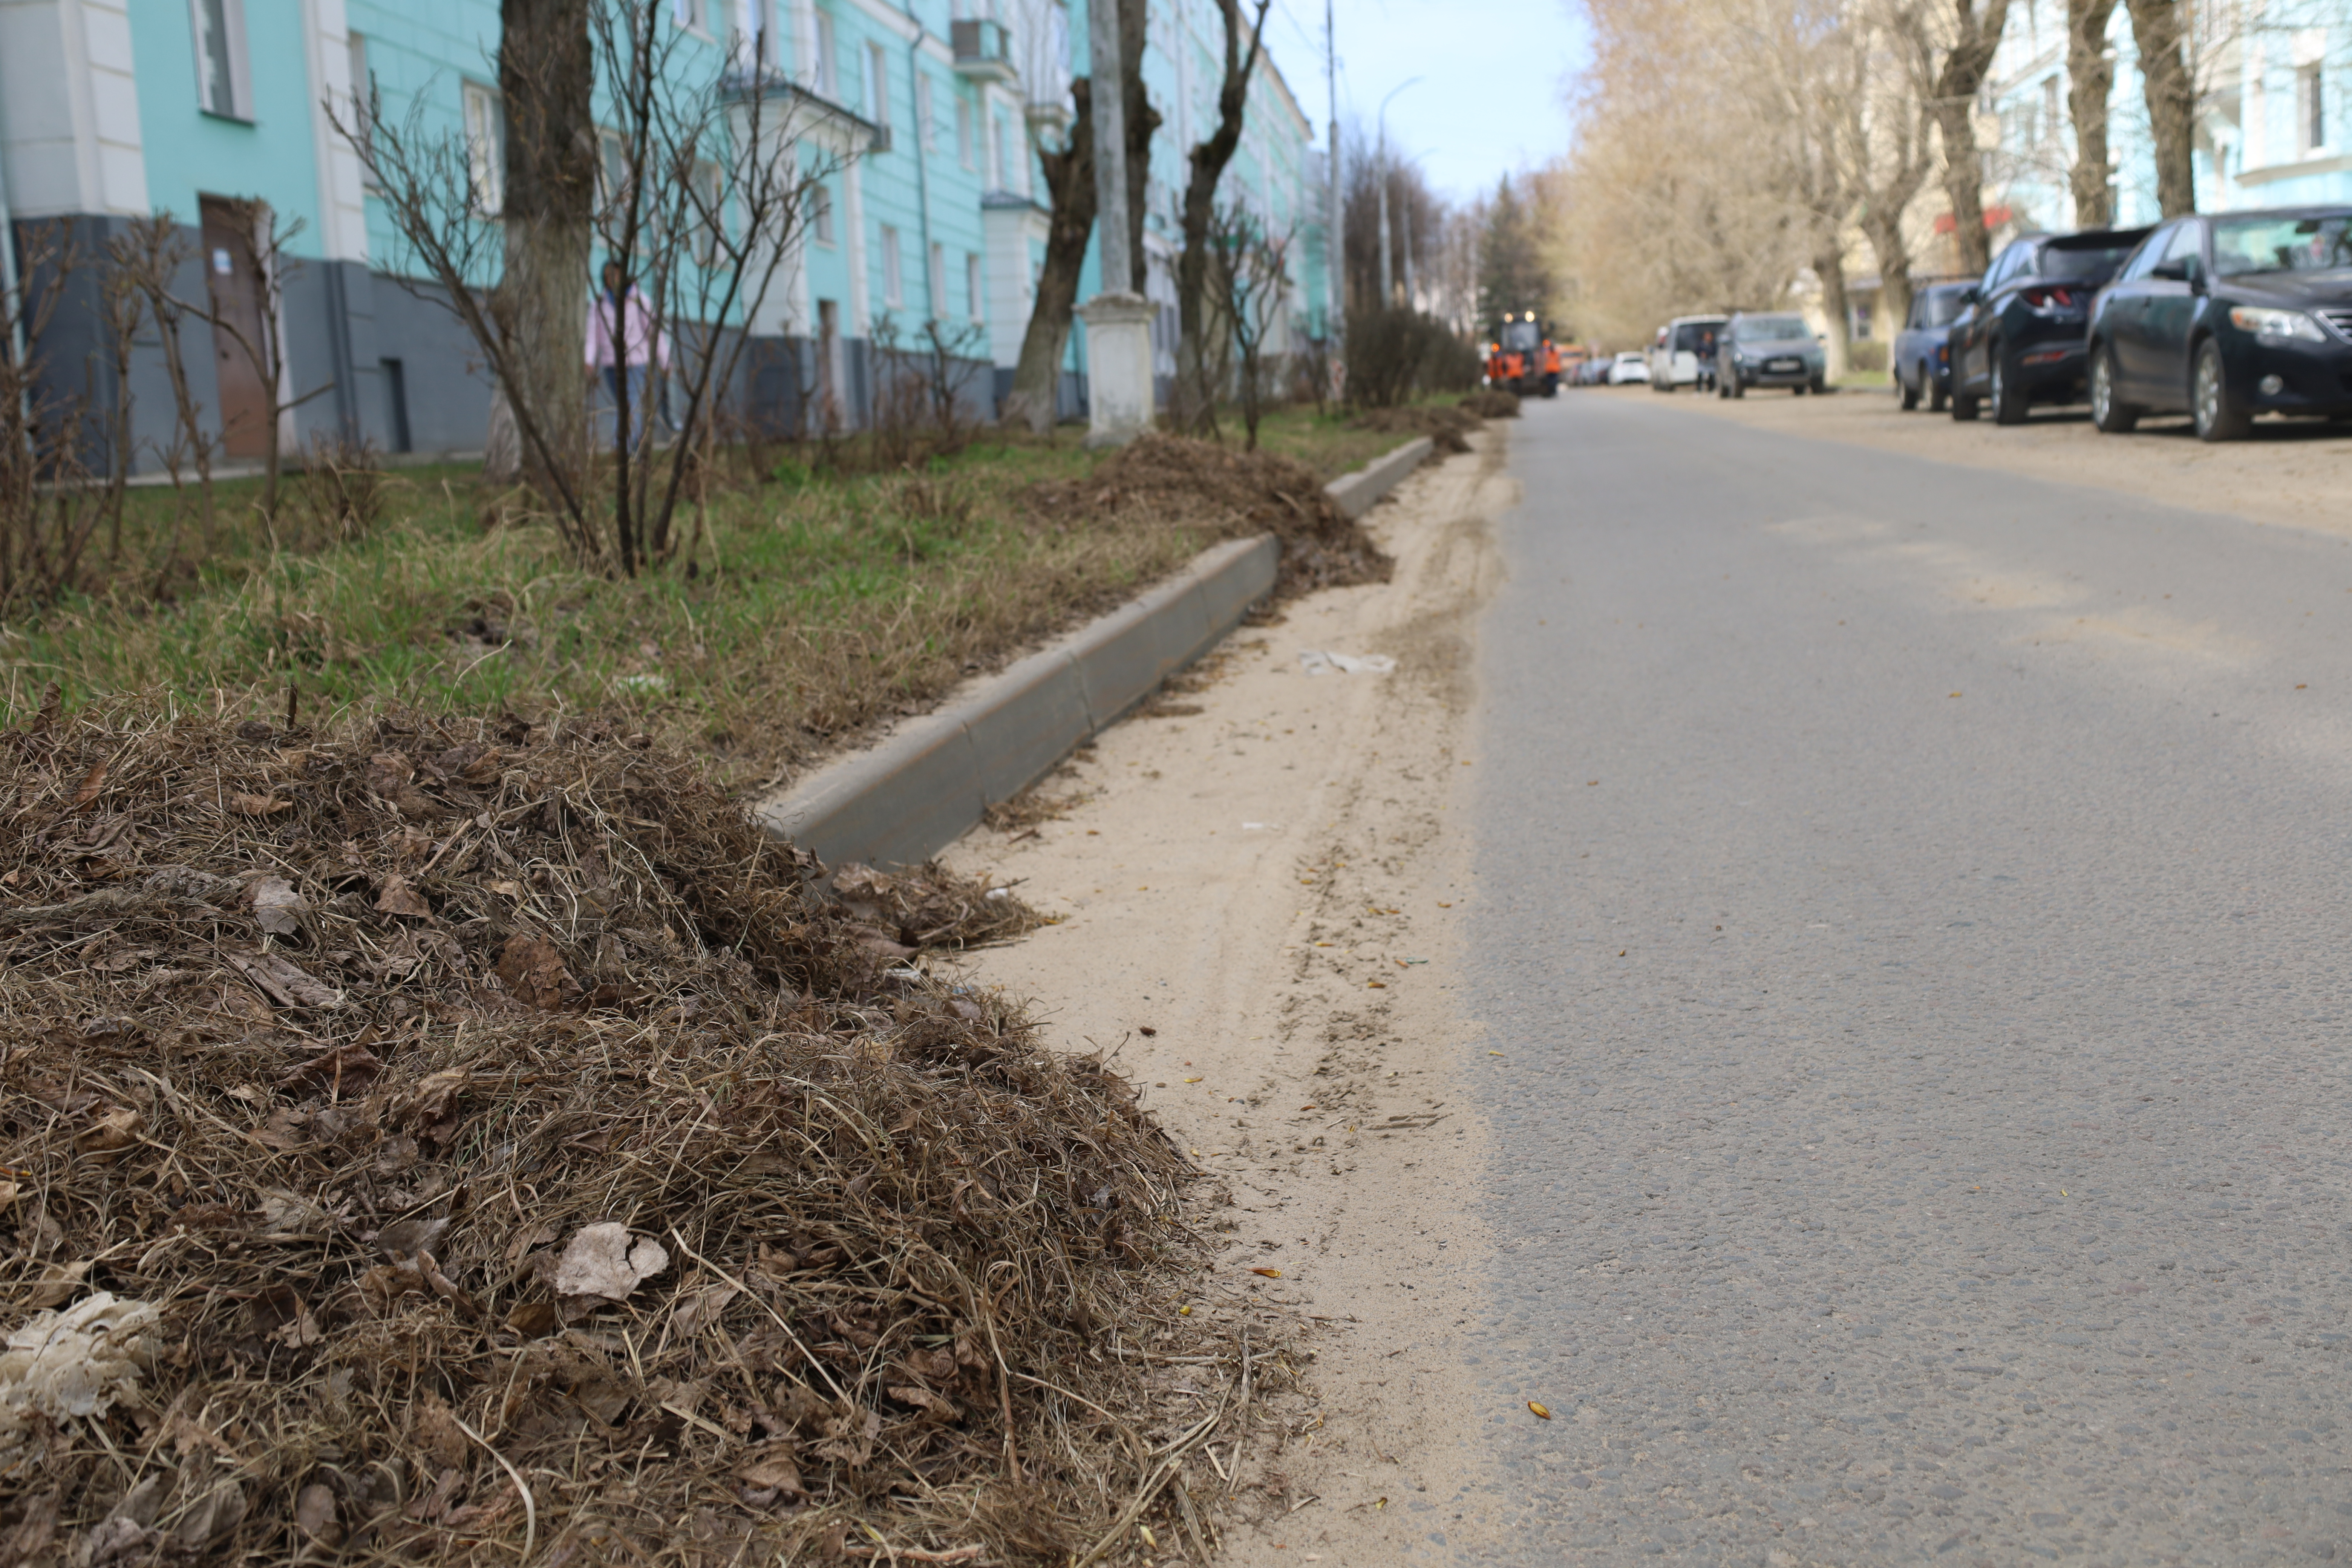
(2049, 111)
(2310, 109)
(971, 290)
(935, 281)
(224, 84)
(689, 14)
(925, 130)
(893, 289)
(964, 135)
(828, 75)
(878, 86)
(821, 214)
(485, 149)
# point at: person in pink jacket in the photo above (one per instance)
(626, 343)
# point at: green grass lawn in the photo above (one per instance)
(817, 604)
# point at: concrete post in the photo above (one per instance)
(1119, 324)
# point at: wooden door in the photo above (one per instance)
(236, 296)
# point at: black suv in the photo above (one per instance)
(2228, 316)
(2020, 340)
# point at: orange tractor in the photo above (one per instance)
(1522, 358)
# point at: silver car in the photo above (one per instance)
(1770, 350)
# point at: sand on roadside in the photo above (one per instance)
(2287, 471)
(1259, 903)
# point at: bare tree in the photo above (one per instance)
(1250, 271)
(2160, 30)
(263, 236)
(1207, 162)
(46, 510)
(546, 72)
(1070, 190)
(1968, 38)
(2090, 84)
(152, 251)
(1888, 133)
(704, 198)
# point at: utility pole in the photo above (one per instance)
(1335, 284)
(1119, 403)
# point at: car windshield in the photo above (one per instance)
(1773, 330)
(1629, 357)
(1519, 337)
(2282, 244)
(1695, 337)
(1943, 309)
(2090, 264)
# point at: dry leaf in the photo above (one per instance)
(1541, 1413)
(772, 1473)
(1269, 1273)
(277, 906)
(924, 1400)
(92, 782)
(258, 805)
(111, 1133)
(602, 1262)
(314, 1515)
(287, 983)
(397, 898)
(533, 970)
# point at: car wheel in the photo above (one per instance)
(1964, 406)
(1936, 396)
(1907, 390)
(1722, 385)
(1739, 386)
(2220, 414)
(2008, 397)
(2110, 413)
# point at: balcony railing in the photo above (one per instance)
(983, 50)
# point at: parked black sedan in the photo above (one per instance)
(2020, 340)
(1923, 364)
(2229, 316)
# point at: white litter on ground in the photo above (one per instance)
(77, 1361)
(1317, 661)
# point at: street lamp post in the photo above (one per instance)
(1380, 170)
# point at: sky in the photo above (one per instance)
(1492, 73)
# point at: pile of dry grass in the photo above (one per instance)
(1492, 403)
(495, 1148)
(1174, 480)
(1446, 428)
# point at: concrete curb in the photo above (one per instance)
(929, 783)
(1356, 493)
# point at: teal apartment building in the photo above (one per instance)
(926, 115)
(2273, 122)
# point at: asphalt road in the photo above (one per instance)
(1911, 910)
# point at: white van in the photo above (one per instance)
(1684, 352)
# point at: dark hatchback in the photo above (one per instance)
(2021, 342)
(2226, 317)
(1923, 364)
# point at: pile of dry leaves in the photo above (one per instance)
(1446, 427)
(1171, 481)
(476, 1142)
(1492, 403)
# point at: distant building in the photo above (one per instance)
(112, 110)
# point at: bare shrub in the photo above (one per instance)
(49, 509)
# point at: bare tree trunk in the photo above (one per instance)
(1208, 161)
(2090, 83)
(2160, 28)
(1829, 266)
(1141, 120)
(1975, 36)
(1070, 188)
(546, 75)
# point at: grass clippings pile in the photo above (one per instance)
(1492, 403)
(477, 1142)
(1171, 482)
(1446, 427)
